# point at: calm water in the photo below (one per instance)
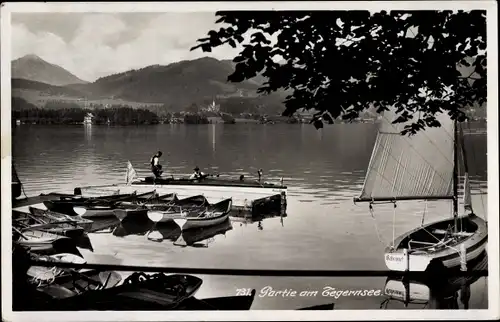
(323, 230)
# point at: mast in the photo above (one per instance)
(455, 175)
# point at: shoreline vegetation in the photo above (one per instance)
(65, 113)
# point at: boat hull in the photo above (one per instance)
(202, 223)
(450, 257)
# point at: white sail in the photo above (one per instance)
(131, 173)
(410, 167)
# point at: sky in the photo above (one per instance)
(93, 45)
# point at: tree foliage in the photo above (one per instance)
(70, 113)
(344, 62)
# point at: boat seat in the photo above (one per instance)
(459, 234)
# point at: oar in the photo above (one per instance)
(20, 233)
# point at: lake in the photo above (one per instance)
(324, 230)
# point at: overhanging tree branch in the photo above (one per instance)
(356, 60)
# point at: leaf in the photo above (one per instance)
(232, 43)
(206, 48)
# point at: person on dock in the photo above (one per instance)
(155, 164)
(197, 175)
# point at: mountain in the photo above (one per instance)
(32, 67)
(178, 86)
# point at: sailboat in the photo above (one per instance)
(424, 166)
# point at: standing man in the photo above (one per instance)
(155, 164)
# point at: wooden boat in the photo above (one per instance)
(406, 168)
(27, 222)
(212, 215)
(139, 212)
(54, 217)
(44, 243)
(93, 207)
(46, 275)
(138, 292)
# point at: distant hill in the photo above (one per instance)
(177, 87)
(47, 89)
(32, 67)
(179, 84)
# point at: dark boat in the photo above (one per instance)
(43, 243)
(138, 292)
(26, 222)
(71, 283)
(196, 218)
(93, 207)
(139, 212)
(51, 217)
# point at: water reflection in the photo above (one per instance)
(245, 220)
(436, 294)
(201, 237)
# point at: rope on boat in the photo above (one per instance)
(394, 225)
(423, 215)
(381, 240)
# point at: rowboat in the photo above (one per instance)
(212, 215)
(65, 204)
(138, 292)
(138, 212)
(93, 207)
(27, 222)
(419, 167)
(54, 217)
(44, 243)
(43, 275)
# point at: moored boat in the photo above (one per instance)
(54, 217)
(44, 243)
(138, 212)
(424, 166)
(210, 216)
(94, 207)
(26, 222)
(138, 292)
